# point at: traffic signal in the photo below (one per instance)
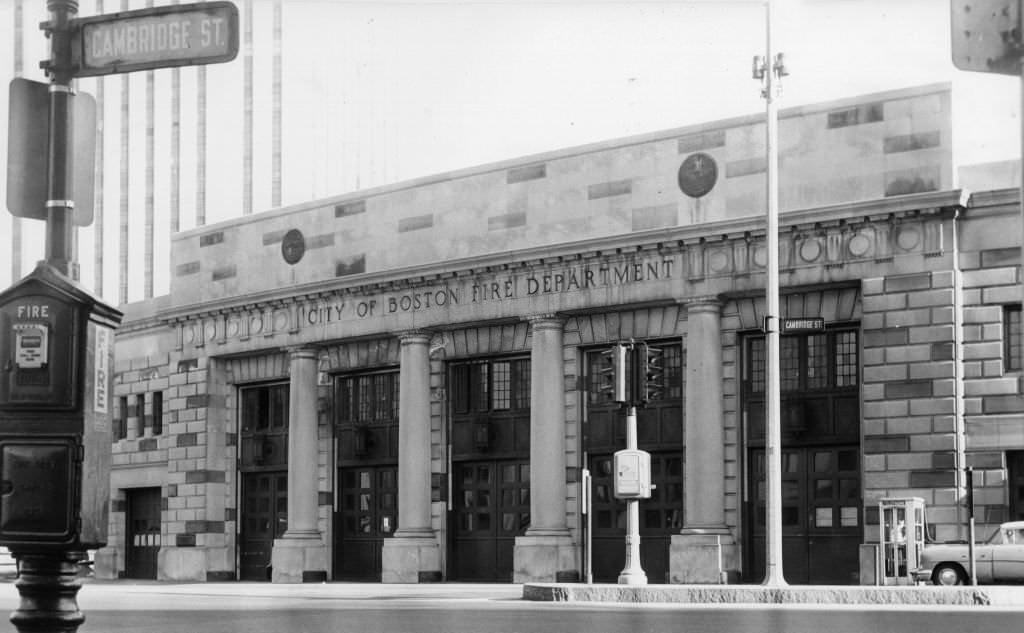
(612, 372)
(650, 372)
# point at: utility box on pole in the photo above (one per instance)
(56, 358)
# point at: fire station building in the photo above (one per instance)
(400, 384)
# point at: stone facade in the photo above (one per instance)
(535, 265)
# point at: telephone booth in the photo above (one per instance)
(901, 538)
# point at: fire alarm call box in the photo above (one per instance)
(56, 354)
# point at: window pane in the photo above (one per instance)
(479, 392)
(822, 488)
(1011, 336)
(789, 363)
(364, 397)
(460, 388)
(823, 517)
(817, 361)
(521, 384)
(846, 359)
(501, 385)
(757, 365)
(822, 461)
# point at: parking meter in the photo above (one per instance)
(632, 474)
(56, 359)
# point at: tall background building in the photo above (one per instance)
(327, 97)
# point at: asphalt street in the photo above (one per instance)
(455, 608)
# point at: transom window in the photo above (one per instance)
(368, 398)
(491, 385)
(265, 408)
(807, 362)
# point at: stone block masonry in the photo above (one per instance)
(908, 372)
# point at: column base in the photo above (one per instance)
(298, 559)
(545, 556)
(703, 556)
(411, 558)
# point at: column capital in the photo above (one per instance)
(545, 321)
(414, 337)
(303, 351)
(703, 303)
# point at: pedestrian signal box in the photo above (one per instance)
(56, 355)
(632, 474)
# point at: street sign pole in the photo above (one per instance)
(60, 200)
(767, 70)
(48, 581)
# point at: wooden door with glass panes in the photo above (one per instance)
(263, 477)
(366, 426)
(490, 434)
(822, 522)
(264, 518)
(492, 508)
(368, 513)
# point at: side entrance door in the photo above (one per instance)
(265, 517)
(143, 537)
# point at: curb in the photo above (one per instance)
(733, 594)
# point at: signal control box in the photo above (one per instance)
(56, 359)
(632, 474)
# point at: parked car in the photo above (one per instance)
(999, 559)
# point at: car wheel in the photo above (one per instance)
(949, 574)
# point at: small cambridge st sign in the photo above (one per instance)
(803, 324)
(157, 37)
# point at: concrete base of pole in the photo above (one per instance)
(48, 584)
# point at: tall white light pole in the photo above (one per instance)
(769, 69)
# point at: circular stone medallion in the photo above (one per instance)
(293, 246)
(698, 174)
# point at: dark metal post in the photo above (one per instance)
(59, 199)
(970, 525)
(48, 583)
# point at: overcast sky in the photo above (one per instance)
(384, 91)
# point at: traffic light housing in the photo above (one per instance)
(612, 372)
(649, 372)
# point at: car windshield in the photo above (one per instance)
(1007, 535)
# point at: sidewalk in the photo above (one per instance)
(100, 592)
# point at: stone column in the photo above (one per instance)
(694, 553)
(412, 554)
(300, 555)
(546, 553)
